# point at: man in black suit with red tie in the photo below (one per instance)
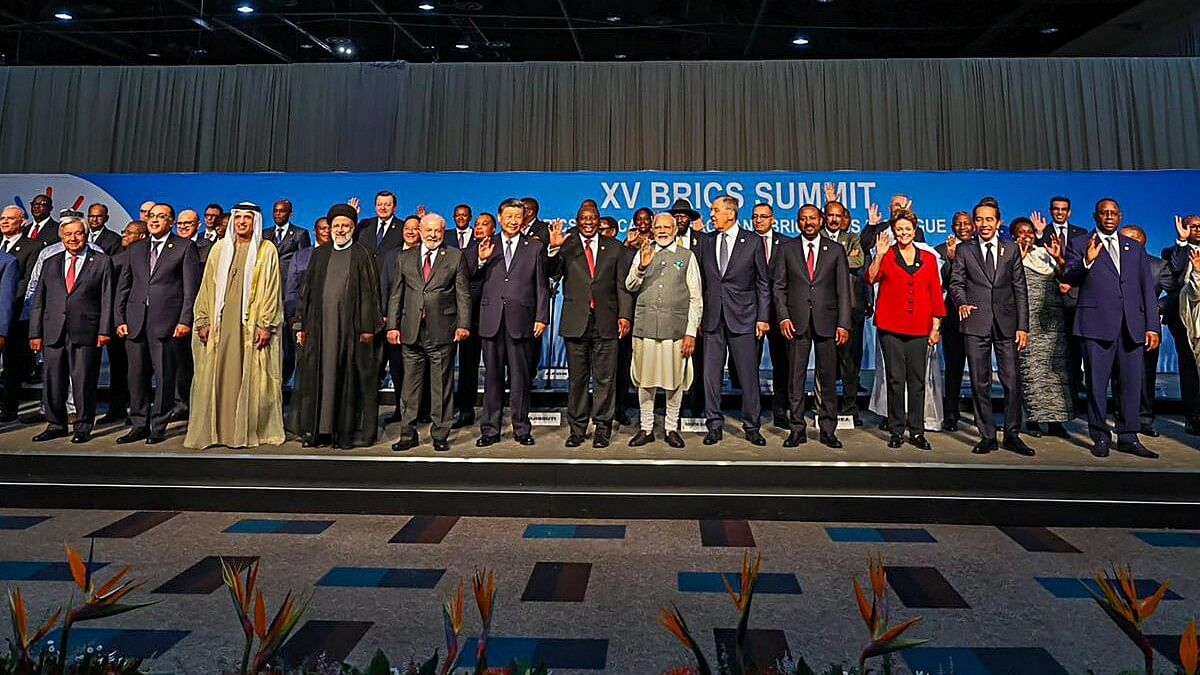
(42, 228)
(514, 309)
(70, 321)
(153, 312)
(813, 303)
(737, 292)
(597, 311)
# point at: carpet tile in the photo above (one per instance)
(561, 653)
(204, 577)
(130, 642)
(557, 582)
(769, 583)
(983, 661)
(575, 532)
(425, 530)
(1170, 539)
(381, 577)
(1068, 588)
(133, 525)
(21, 522)
(1039, 540)
(264, 526)
(36, 570)
(334, 639)
(735, 533)
(890, 535)
(924, 587)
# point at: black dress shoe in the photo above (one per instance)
(1033, 430)
(574, 441)
(919, 441)
(49, 435)
(883, 425)
(133, 436)
(1136, 449)
(1014, 443)
(155, 439)
(984, 446)
(781, 421)
(712, 437)
(622, 418)
(32, 418)
(950, 425)
(756, 438)
(112, 418)
(895, 441)
(441, 445)
(857, 421)
(524, 439)
(485, 441)
(463, 421)
(674, 439)
(1100, 449)
(178, 415)
(601, 438)
(81, 437)
(831, 440)
(1148, 430)
(797, 437)
(308, 442)
(1192, 426)
(643, 437)
(406, 443)
(424, 419)
(1057, 429)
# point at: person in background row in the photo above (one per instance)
(762, 219)
(689, 230)
(1162, 281)
(337, 374)
(17, 357)
(954, 350)
(187, 226)
(118, 356)
(295, 276)
(463, 235)
(155, 297)
(288, 239)
(1189, 302)
(668, 306)
(144, 210)
(877, 226)
(908, 315)
(531, 225)
(1117, 319)
(849, 355)
(470, 350)
(42, 227)
(237, 397)
(638, 232)
(1177, 257)
(70, 321)
(98, 232)
(1045, 384)
(10, 279)
(1060, 225)
(212, 214)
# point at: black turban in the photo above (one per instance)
(342, 210)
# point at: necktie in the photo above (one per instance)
(1113, 253)
(812, 260)
(591, 261)
(507, 253)
(427, 270)
(33, 234)
(722, 253)
(1062, 235)
(281, 233)
(462, 239)
(4, 246)
(71, 274)
(767, 247)
(153, 255)
(381, 231)
(990, 259)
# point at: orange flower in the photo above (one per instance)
(485, 593)
(1189, 654)
(20, 622)
(747, 580)
(102, 602)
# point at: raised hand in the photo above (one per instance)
(1039, 223)
(354, 204)
(647, 255)
(874, 217)
(557, 238)
(1054, 247)
(1094, 249)
(633, 239)
(882, 245)
(485, 250)
(951, 245)
(1181, 229)
(1194, 258)
(421, 211)
(830, 193)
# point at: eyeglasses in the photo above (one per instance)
(91, 217)
(759, 216)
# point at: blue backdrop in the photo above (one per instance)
(1148, 198)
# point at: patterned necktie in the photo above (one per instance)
(507, 253)
(427, 270)
(154, 255)
(591, 262)
(722, 253)
(811, 260)
(71, 274)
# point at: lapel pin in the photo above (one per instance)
(170, 245)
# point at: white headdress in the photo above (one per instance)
(228, 248)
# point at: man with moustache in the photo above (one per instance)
(1060, 226)
(849, 355)
(154, 304)
(689, 230)
(212, 213)
(470, 350)
(954, 349)
(295, 278)
(762, 219)
(811, 289)
(514, 311)
(17, 357)
(289, 240)
(737, 293)
(639, 232)
(42, 227)
(1177, 258)
(187, 226)
(987, 282)
(98, 232)
(463, 235)
(118, 356)
(597, 311)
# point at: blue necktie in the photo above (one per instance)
(507, 253)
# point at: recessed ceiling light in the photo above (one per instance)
(461, 45)
(153, 55)
(63, 16)
(620, 57)
(824, 2)
(1049, 30)
(614, 19)
(245, 8)
(800, 41)
(426, 7)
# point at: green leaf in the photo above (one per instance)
(92, 612)
(880, 648)
(430, 666)
(379, 664)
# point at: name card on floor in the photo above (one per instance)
(545, 419)
(693, 425)
(845, 422)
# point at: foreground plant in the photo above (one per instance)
(23, 640)
(672, 620)
(1189, 653)
(98, 603)
(884, 640)
(270, 636)
(1119, 600)
(485, 599)
(741, 601)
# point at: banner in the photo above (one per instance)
(1150, 199)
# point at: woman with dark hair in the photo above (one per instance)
(908, 315)
(1045, 387)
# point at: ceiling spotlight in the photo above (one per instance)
(461, 45)
(245, 8)
(614, 19)
(800, 41)
(1049, 30)
(426, 7)
(824, 2)
(343, 47)
(620, 57)
(63, 16)
(153, 55)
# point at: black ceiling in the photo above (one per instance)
(214, 32)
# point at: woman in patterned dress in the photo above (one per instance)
(1045, 386)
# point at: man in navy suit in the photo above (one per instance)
(385, 231)
(1117, 320)
(289, 240)
(762, 218)
(737, 295)
(1060, 226)
(514, 309)
(70, 321)
(10, 278)
(470, 350)
(153, 312)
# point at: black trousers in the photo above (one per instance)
(118, 377)
(185, 369)
(505, 354)
(591, 358)
(904, 360)
(1189, 378)
(149, 357)
(781, 375)
(741, 350)
(71, 369)
(979, 357)
(693, 398)
(849, 367)
(626, 396)
(17, 359)
(428, 367)
(825, 379)
(470, 351)
(1074, 359)
(1149, 383)
(954, 350)
(289, 351)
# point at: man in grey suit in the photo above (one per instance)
(429, 310)
(70, 321)
(987, 283)
(849, 355)
(153, 311)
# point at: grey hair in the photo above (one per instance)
(67, 220)
(14, 206)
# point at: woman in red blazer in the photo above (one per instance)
(908, 316)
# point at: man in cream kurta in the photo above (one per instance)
(237, 398)
(666, 279)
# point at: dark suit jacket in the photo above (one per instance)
(10, 278)
(950, 321)
(154, 304)
(1108, 299)
(824, 299)
(607, 288)
(26, 251)
(294, 281)
(1072, 232)
(870, 232)
(519, 295)
(393, 238)
(742, 296)
(451, 237)
(296, 239)
(444, 301)
(540, 230)
(77, 317)
(777, 243)
(203, 248)
(47, 235)
(108, 241)
(1000, 300)
(1174, 270)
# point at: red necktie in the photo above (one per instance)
(427, 270)
(812, 261)
(71, 274)
(591, 261)
(33, 234)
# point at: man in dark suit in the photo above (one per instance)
(849, 355)
(17, 357)
(1117, 319)
(876, 225)
(187, 226)
(987, 283)
(689, 229)
(954, 349)
(762, 219)
(289, 240)
(513, 313)
(42, 227)
(383, 235)
(737, 292)
(811, 288)
(1161, 275)
(470, 350)
(428, 311)
(597, 311)
(98, 232)
(1060, 226)
(153, 311)
(463, 234)
(531, 225)
(1176, 258)
(118, 356)
(71, 320)
(383, 232)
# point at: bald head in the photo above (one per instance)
(187, 223)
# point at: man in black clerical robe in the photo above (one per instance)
(336, 394)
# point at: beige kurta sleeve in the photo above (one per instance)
(695, 297)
